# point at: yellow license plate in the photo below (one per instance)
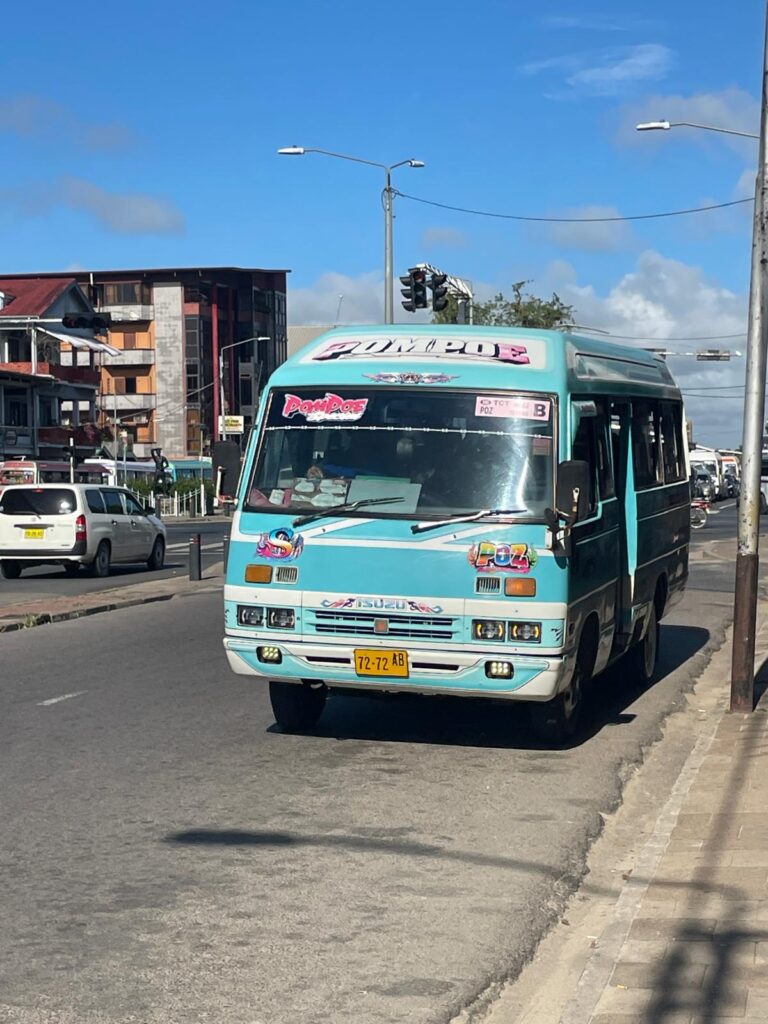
(381, 663)
(34, 534)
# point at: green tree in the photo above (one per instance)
(521, 310)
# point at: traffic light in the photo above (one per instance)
(419, 288)
(407, 291)
(97, 322)
(437, 285)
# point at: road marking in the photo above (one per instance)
(58, 700)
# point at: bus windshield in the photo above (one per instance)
(440, 453)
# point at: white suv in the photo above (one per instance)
(76, 524)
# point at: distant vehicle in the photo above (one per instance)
(705, 486)
(733, 486)
(699, 511)
(46, 471)
(710, 461)
(76, 525)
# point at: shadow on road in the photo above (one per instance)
(458, 721)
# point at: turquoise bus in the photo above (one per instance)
(486, 512)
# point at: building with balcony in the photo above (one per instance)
(49, 376)
(169, 327)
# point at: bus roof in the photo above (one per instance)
(474, 357)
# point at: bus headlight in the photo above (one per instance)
(249, 615)
(488, 629)
(281, 618)
(525, 632)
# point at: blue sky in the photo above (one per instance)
(147, 136)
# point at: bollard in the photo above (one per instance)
(226, 550)
(195, 557)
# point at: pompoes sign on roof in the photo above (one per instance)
(531, 353)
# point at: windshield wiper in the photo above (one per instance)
(470, 517)
(334, 510)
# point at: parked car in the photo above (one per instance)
(75, 525)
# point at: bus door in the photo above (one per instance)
(621, 433)
(595, 576)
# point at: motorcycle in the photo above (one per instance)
(699, 512)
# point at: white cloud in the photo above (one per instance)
(35, 117)
(730, 108)
(585, 22)
(126, 213)
(447, 238)
(607, 72)
(663, 298)
(600, 236)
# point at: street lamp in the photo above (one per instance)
(664, 126)
(389, 305)
(223, 427)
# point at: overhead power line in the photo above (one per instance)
(644, 337)
(569, 220)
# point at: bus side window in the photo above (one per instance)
(645, 444)
(672, 442)
(584, 451)
(591, 445)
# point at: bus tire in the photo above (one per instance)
(10, 570)
(296, 706)
(557, 721)
(644, 656)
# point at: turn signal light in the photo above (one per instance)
(520, 588)
(258, 574)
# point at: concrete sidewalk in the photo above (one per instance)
(28, 612)
(671, 924)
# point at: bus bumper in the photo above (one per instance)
(538, 677)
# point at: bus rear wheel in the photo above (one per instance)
(297, 706)
(644, 656)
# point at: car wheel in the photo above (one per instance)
(297, 706)
(10, 570)
(157, 558)
(100, 565)
(71, 568)
(644, 656)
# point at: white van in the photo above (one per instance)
(76, 524)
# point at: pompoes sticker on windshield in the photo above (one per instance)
(280, 545)
(490, 556)
(532, 353)
(513, 408)
(330, 408)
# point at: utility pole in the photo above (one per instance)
(745, 602)
(389, 302)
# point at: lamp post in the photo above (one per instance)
(222, 428)
(664, 126)
(745, 600)
(389, 304)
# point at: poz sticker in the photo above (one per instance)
(513, 408)
(280, 545)
(488, 556)
(322, 410)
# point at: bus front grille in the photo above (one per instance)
(398, 627)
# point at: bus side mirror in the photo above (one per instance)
(572, 497)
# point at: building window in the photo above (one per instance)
(127, 293)
(16, 407)
(246, 391)
(46, 409)
(192, 337)
(129, 339)
(130, 385)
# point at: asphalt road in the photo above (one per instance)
(169, 857)
(50, 580)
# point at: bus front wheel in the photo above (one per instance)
(557, 721)
(296, 706)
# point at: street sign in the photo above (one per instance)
(714, 355)
(231, 424)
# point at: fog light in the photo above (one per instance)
(525, 632)
(249, 615)
(271, 655)
(487, 629)
(281, 618)
(498, 669)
